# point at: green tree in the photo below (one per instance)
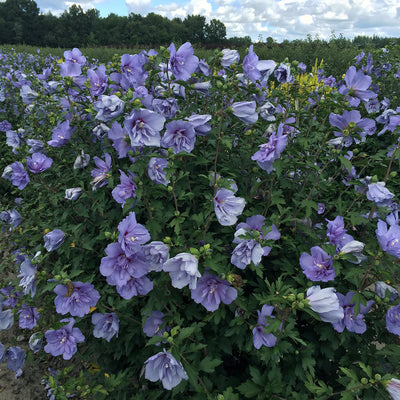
(215, 32)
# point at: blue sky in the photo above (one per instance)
(280, 19)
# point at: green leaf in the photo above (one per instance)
(208, 364)
(249, 389)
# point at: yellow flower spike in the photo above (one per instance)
(72, 244)
(106, 375)
(60, 61)
(47, 230)
(92, 309)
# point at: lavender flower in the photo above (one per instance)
(77, 298)
(336, 232)
(211, 290)
(108, 107)
(389, 239)
(38, 163)
(156, 254)
(271, 151)
(182, 62)
(180, 136)
(98, 80)
(120, 138)
(17, 175)
(165, 368)
(74, 60)
(245, 111)
(28, 317)
(54, 239)
(73, 193)
(227, 207)
(6, 318)
(393, 388)
(131, 233)
(382, 287)
(134, 287)
(36, 342)
(61, 135)
(183, 270)
(379, 194)
(64, 341)
(326, 303)
(12, 218)
(15, 360)
(119, 267)
(283, 74)
(166, 107)
(199, 123)
(318, 266)
(245, 252)
(156, 170)
(229, 57)
(393, 320)
(105, 326)
(152, 325)
(125, 190)
(27, 273)
(100, 174)
(28, 95)
(351, 322)
(259, 337)
(143, 127)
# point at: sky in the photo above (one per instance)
(259, 19)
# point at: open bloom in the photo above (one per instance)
(105, 326)
(259, 337)
(77, 298)
(379, 194)
(17, 175)
(64, 341)
(38, 163)
(180, 136)
(389, 239)
(165, 368)
(15, 360)
(393, 320)
(227, 207)
(182, 62)
(318, 266)
(156, 170)
(74, 60)
(152, 325)
(61, 135)
(183, 270)
(125, 190)
(245, 111)
(393, 387)
(211, 290)
(28, 317)
(131, 233)
(245, 252)
(351, 322)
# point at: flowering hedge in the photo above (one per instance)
(217, 229)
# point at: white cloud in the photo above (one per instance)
(138, 6)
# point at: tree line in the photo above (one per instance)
(21, 22)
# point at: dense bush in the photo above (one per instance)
(227, 226)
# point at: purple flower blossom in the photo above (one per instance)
(156, 254)
(351, 322)
(393, 320)
(28, 95)
(283, 74)
(245, 111)
(321, 208)
(229, 57)
(36, 342)
(271, 151)
(12, 218)
(108, 107)
(180, 136)
(143, 127)
(381, 288)
(183, 270)
(199, 123)
(165, 368)
(6, 318)
(54, 239)
(211, 290)
(152, 325)
(73, 62)
(11, 296)
(250, 63)
(119, 267)
(227, 207)
(166, 107)
(61, 135)
(356, 87)
(14, 140)
(28, 317)
(5, 126)
(73, 193)
(27, 273)
(100, 174)
(156, 171)
(245, 252)
(318, 266)
(105, 326)
(326, 303)
(393, 388)
(38, 163)
(15, 360)
(182, 62)
(134, 287)
(336, 232)
(64, 341)
(378, 193)
(120, 138)
(259, 337)
(17, 175)
(389, 239)
(98, 80)
(77, 298)
(131, 233)
(125, 190)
